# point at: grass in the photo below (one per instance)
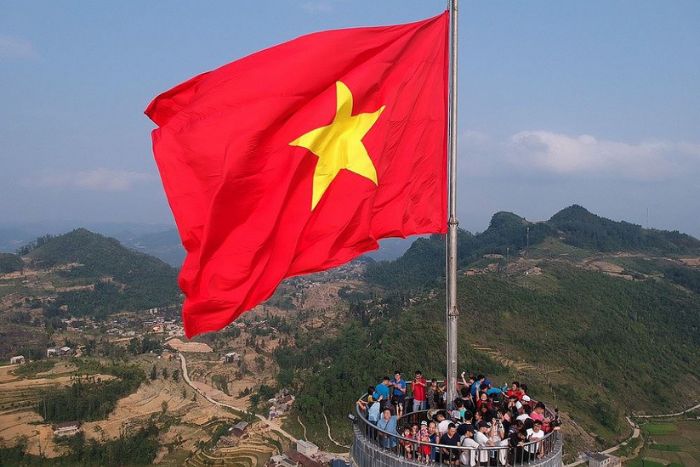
(629, 448)
(659, 429)
(644, 462)
(32, 368)
(670, 442)
(665, 447)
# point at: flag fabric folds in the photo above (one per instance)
(298, 158)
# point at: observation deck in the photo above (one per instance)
(374, 447)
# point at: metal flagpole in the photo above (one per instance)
(452, 312)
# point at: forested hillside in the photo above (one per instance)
(596, 332)
(509, 233)
(119, 278)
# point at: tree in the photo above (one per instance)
(176, 375)
(260, 362)
(154, 373)
(165, 373)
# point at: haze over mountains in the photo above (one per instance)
(159, 240)
(601, 318)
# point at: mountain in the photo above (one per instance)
(601, 318)
(583, 229)
(510, 234)
(165, 245)
(95, 276)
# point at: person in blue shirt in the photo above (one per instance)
(399, 385)
(387, 423)
(496, 392)
(373, 412)
(477, 385)
(382, 392)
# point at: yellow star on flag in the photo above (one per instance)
(339, 145)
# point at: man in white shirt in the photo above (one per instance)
(482, 439)
(468, 458)
(443, 423)
(522, 413)
(534, 434)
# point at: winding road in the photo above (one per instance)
(636, 431)
(275, 426)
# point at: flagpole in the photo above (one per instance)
(452, 311)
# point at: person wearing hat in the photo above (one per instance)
(468, 457)
(424, 450)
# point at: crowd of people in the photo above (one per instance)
(484, 425)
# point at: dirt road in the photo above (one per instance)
(271, 423)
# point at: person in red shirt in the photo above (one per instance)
(484, 401)
(418, 386)
(515, 391)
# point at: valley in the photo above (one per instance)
(601, 319)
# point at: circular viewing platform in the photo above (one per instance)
(376, 447)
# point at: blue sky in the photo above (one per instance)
(595, 102)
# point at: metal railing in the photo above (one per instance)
(415, 452)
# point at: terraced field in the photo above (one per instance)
(670, 443)
(256, 450)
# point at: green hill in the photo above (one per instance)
(508, 233)
(598, 333)
(121, 279)
(583, 229)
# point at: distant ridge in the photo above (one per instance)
(584, 229)
(510, 234)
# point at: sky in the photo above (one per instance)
(595, 103)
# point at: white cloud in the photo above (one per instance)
(100, 179)
(546, 152)
(15, 47)
(317, 6)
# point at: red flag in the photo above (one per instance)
(300, 157)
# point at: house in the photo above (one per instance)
(598, 459)
(239, 429)
(18, 360)
(302, 459)
(232, 357)
(281, 460)
(52, 352)
(65, 350)
(306, 448)
(64, 429)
